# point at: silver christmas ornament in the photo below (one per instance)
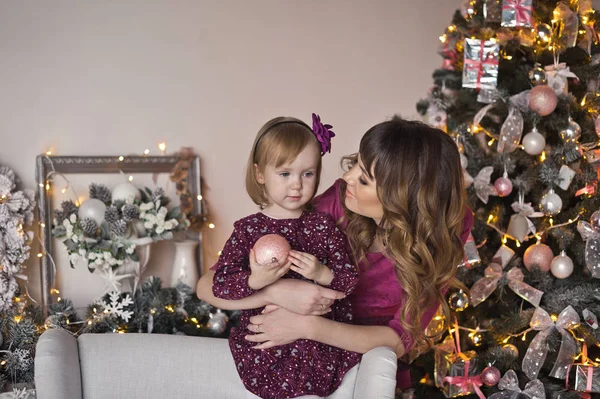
(561, 266)
(537, 76)
(477, 339)
(513, 350)
(217, 322)
(572, 132)
(551, 204)
(458, 301)
(544, 35)
(533, 142)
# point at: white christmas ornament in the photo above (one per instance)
(561, 266)
(92, 208)
(551, 203)
(533, 142)
(125, 192)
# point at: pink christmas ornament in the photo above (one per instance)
(543, 100)
(271, 248)
(490, 376)
(503, 186)
(538, 255)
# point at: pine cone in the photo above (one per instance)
(119, 227)
(130, 212)
(111, 215)
(118, 203)
(89, 227)
(68, 208)
(101, 192)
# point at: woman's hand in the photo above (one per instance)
(302, 297)
(263, 275)
(277, 326)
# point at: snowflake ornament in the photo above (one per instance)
(117, 306)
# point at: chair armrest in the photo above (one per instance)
(57, 371)
(376, 377)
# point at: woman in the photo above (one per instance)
(402, 205)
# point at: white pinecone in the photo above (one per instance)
(130, 212)
(119, 227)
(101, 192)
(111, 215)
(68, 208)
(89, 227)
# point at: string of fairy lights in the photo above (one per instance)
(52, 179)
(545, 38)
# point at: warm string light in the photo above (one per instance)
(505, 236)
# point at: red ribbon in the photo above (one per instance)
(522, 13)
(463, 382)
(488, 59)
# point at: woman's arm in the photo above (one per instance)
(280, 327)
(298, 296)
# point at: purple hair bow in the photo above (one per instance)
(323, 133)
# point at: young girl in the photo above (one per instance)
(282, 177)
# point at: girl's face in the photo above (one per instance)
(361, 193)
(290, 186)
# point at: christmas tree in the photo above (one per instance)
(518, 91)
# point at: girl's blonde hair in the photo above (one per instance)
(419, 182)
(278, 142)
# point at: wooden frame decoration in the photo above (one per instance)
(47, 165)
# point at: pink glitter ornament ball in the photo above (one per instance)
(271, 248)
(490, 376)
(503, 186)
(538, 255)
(543, 100)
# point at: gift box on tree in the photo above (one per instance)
(455, 372)
(471, 258)
(480, 68)
(517, 13)
(585, 376)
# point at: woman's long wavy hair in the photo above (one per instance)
(419, 182)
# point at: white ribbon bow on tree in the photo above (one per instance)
(591, 236)
(509, 385)
(482, 185)
(557, 75)
(485, 286)
(512, 128)
(526, 210)
(538, 349)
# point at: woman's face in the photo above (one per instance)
(361, 193)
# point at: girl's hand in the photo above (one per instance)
(277, 326)
(309, 266)
(302, 297)
(263, 275)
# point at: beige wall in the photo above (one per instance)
(116, 77)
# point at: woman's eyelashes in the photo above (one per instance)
(362, 181)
